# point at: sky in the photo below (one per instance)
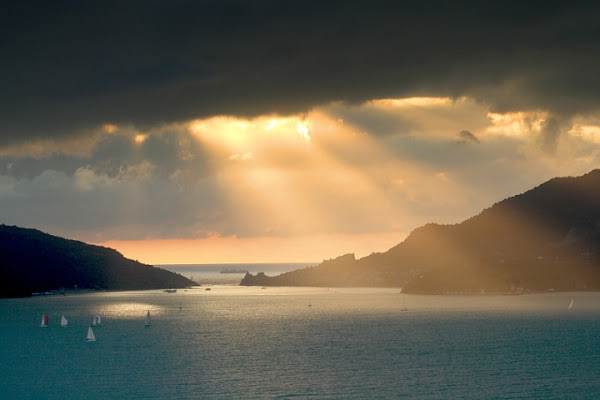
(183, 132)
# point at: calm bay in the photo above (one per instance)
(322, 343)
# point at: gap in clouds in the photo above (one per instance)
(381, 168)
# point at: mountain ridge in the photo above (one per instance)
(33, 261)
(545, 238)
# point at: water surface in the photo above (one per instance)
(248, 342)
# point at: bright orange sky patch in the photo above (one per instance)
(253, 250)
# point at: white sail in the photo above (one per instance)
(45, 321)
(90, 335)
(96, 320)
(148, 320)
(571, 305)
(63, 322)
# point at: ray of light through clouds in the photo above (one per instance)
(322, 147)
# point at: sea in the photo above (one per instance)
(225, 341)
(230, 274)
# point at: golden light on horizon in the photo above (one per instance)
(232, 249)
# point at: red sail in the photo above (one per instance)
(46, 319)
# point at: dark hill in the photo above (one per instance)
(545, 238)
(32, 261)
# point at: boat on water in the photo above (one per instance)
(45, 321)
(571, 304)
(90, 335)
(148, 320)
(170, 290)
(64, 321)
(180, 305)
(96, 320)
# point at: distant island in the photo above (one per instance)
(32, 262)
(545, 239)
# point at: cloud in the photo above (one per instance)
(372, 118)
(261, 177)
(467, 137)
(70, 68)
(549, 134)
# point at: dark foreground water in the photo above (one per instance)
(252, 343)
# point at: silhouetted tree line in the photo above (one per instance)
(32, 261)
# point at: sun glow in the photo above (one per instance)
(317, 172)
(337, 179)
(140, 138)
(227, 131)
(590, 133)
(110, 128)
(272, 124)
(303, 130)
(412, 102)
(516, 123)
(239, 136)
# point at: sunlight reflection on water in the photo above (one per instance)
(127, 310)
(249, 342)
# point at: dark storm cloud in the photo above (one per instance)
(168, 151)
(68, 66)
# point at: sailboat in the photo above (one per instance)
(571, 305)
(63, 321)
(180, 305)
(90, 335)
(96, 320)
(148, 320)
(45, 321)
